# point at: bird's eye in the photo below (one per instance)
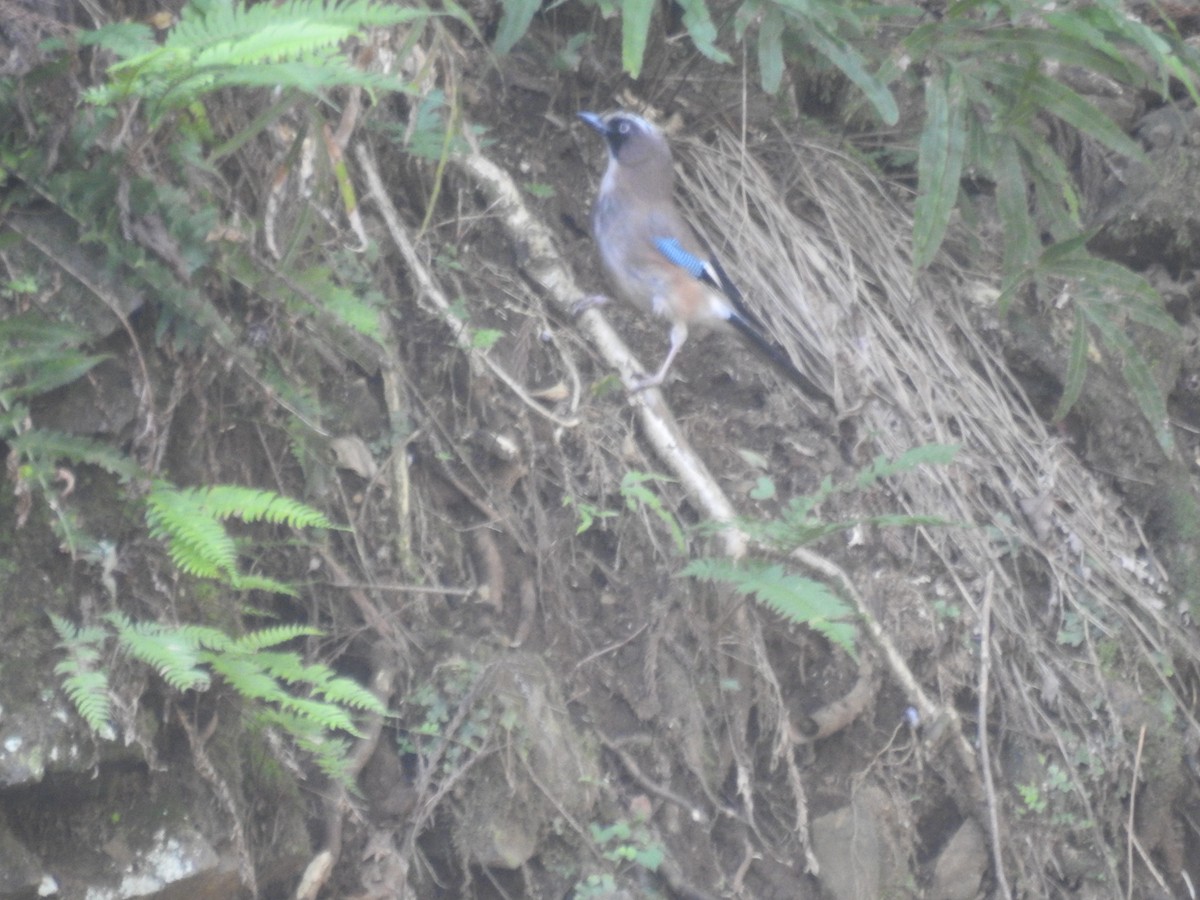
(624, 128)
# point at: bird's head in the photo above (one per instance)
(631, 140)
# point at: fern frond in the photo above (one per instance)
(89, 693)
(39, 356)
(76, 637)
(189, 519)
(223, 43)
(800, 600)
(263, 676)
(241, 582)
(226, 501)
(213, 639)
(197, 543)
(331, 754)
(188, 656)
(247, 677)
(31, 328)
(272, 637)
(34, 372)
(321, 680)
(174, 653)
(926, 454)
(328, 716)
(85, 686)
(52, 446)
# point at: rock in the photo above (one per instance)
(20, 870)
(504, 812)
(854, 849)
(961, 864)
(175, 864)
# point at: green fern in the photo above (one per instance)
(40, 355)
(84, 681)
(308, 701)
(331, 754)
(196, 541)
(637, 495)
(265, 677)
(174, 652)
(802, 600)
(40, 453)
(798, 523)
(189, 519)
(45, 448)
(227, 501)
(223, 43)
(797, 599)
(254, 641)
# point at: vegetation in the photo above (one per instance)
(985, 73)
(309, 417)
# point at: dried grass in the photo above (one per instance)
(822, 250)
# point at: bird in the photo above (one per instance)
(654, 258)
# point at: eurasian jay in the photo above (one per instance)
(653, 257)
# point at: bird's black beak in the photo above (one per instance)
(595, 121)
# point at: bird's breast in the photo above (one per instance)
(631, 274)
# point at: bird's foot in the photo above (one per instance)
(639, 383)
(589, 302)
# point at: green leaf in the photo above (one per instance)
(1012, 203)
(125, 39)
(635, 31)
(40, 370)
(1054, 196)
(355, 309)
(637, 494)
(514, 22)
(540, 189)
(854, 66)
(297, 45)
(926, 454)
(1076, 367)
(85, 684)
(484, 339)
(1139, 374)
(1059, 100)
(196, 542)
(1138, 299)
(770, 50)
(701, 30)
(33, 329)
(939, 163)
(243, 582)
(1036, 44)
(764, 489)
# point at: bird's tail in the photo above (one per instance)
(772, 351)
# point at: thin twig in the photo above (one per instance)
(1153, 869)
(985, 760)
(694, 812)
(1137, 769)
(431, 292)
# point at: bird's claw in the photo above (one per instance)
(589, 302)
(639, 383)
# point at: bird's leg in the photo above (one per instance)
(579, 307)
(679, 333)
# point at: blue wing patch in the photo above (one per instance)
(673, 251)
